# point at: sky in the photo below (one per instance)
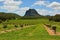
(43, 7)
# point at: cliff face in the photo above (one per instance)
(31, 13)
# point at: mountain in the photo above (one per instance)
(31, 13)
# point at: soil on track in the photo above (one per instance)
(50, 31)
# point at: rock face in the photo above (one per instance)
(31, 13)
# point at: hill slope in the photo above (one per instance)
(8, 16)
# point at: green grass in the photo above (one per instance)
(36, 32)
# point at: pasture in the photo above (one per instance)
(34, 30)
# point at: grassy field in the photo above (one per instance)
(35, 32)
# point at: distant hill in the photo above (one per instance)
(31, 13)
(8, 16)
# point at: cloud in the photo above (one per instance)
(1, 0)
(43, 12)
(10, 8)
(22, 11)
(46, 12)
(40, 2)
(12, 2)
(47, 4)
(54, 5)
(11, 5)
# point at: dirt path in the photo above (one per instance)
(5, 31)
(50, 31)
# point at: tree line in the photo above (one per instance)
(55, 18)
(11, 16)
(8, 16)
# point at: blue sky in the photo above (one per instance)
(43, 7)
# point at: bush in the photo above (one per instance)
(16, 26)
(5, 26)
(0, 21)
(25, 24)
(48, 25)
(54, 28)
(21, 25)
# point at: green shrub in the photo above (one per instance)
(5, 26)
(0, 21)
(16, 26)
(21, 25)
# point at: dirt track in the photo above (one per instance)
(50, 31)
(5, 31)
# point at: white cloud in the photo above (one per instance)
(11, 5)
(22, 11)
(41, 2)
(54, 5)
(43, 12)
(1, 0)
(46, 12)
(10, 8)
(12, 2)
